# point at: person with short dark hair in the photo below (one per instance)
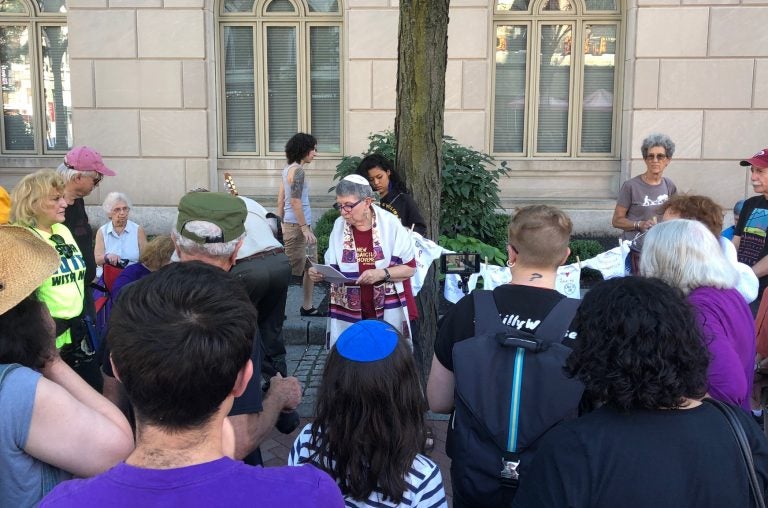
(296, 215)
(201, 318)
(369, 432)
(652, 442)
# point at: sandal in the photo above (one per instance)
(311, 312)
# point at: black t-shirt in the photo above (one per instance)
(520, 307)
(752, 228)
(664, 458)
(76, 221)
(404, 208)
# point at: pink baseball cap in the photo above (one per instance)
(83, 158)
(760, 159)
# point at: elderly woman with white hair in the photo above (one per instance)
(373, 250)
(120, 241)
(685, 254)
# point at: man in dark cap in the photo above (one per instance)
(750, 233)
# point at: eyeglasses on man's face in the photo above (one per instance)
(656, 157)
(61, 246)
(347, 208)
(97, 179)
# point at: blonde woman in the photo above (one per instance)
(38, 203)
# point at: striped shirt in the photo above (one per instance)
(424, 481)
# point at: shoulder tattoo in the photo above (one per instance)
(298, 183)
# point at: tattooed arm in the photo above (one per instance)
(296, 180)
(280, 210)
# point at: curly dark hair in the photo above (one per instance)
(639, 345)
(299, 146)
(376, 160)
(26, 337)
(370, 423)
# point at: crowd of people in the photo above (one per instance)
(158, 386)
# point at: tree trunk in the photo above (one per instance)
(422, 57)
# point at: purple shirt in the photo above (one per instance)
(729, 332)
(223, 482)
(130, 273)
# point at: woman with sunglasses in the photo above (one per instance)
(637, 207)
(38, 203)
(375, 253)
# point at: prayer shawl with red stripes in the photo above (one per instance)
(392, 246)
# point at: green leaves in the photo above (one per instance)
(584, 249)
(470, 187)
(470, 192)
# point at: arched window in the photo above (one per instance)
(280, 73)
(557, 78)
(34, 72)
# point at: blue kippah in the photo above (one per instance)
(367, 341)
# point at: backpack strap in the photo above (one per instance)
(554, 326)
(551, 329)
(486, 313)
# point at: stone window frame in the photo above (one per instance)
(259, 19)
(533, 19)
(36, 19)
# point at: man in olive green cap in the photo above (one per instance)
(210, 228)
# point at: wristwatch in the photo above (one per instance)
(387, 275)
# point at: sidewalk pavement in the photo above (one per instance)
(306, 355)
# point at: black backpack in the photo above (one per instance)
(510, 389)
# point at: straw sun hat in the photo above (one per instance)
(25, 262)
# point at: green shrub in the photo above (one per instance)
(470, 195)
(322, 231)
(584, 249)
(470, 190)
(501, 231)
